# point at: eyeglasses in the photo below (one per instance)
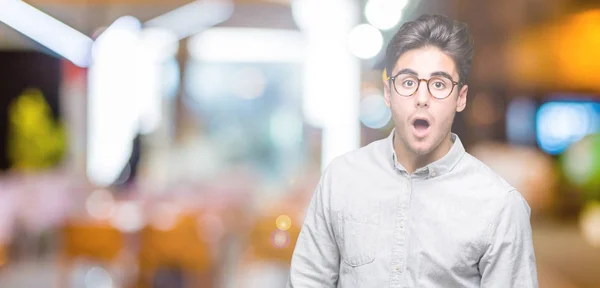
(407, 85)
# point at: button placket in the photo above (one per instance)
(400, 237)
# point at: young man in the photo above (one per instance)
(416, 210)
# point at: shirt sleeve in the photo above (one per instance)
(316, 258)
(509, 260)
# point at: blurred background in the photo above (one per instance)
(154, 143)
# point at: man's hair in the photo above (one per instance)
(450, 36)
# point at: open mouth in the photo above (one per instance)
(421, 124)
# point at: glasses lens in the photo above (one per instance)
(440, 87)
(406, 84)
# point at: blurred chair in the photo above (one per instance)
(179, 247)
(273, 235)
(3, 256)
(269, 244)
(268, 251)
(95, 241)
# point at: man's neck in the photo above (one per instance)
(412, 161)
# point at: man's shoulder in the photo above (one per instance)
(366, 156)
(484, 176)
(493, 191)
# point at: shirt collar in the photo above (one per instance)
(436, 168)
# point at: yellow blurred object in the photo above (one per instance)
(3, 258)
(562, 55)
(182, 246)
(94, 241)
(283, 222)
(589, 223)
(35, 140)
(97, 241)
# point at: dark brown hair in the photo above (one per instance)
(450, 36)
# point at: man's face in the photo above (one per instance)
(422, 121)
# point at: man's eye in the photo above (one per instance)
(439, 85)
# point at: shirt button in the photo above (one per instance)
(401, 224)
(397, 268)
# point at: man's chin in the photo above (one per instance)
(421, 148)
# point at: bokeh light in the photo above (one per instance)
(365, 41)
(589, 222)
(128, 217)
(97, 277)
(283, 222)
(280, 239)
(164, 216)
(100, 204)
(384, 14)
(581, 165)
(373, 111)
(561, 123)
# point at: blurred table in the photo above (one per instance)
(564, 259)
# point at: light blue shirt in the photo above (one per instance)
(453, 223)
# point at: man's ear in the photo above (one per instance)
(461, 102)
(386, 88)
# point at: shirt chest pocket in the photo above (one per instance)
(358, 231)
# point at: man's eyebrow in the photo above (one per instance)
(414, 73)
(443, 74)
(407, 71)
